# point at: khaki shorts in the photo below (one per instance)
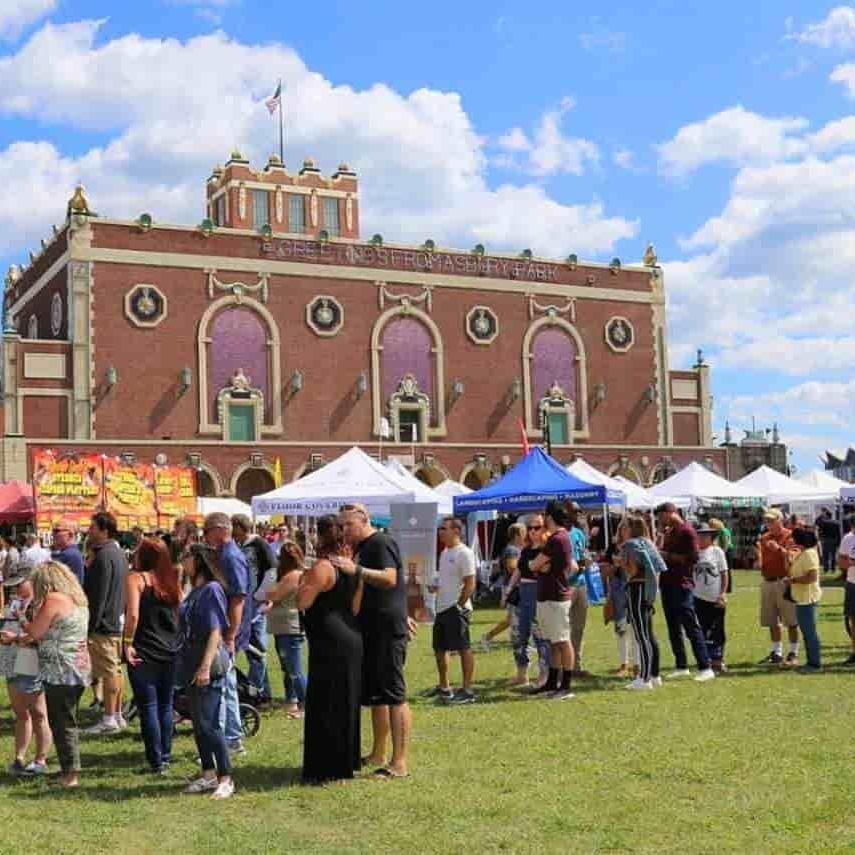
(105, 651)
(774, 609)
(554, 620)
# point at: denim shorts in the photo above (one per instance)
(26, 684)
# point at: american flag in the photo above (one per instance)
(273, 101)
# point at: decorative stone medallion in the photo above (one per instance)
(325, 315)
(620, 334)
(56, 314)
(482, 325)
(145, 306)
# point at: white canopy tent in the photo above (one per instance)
(585, 472)
(695, 484)
(778, 489)
(636, 496)
(353, 477)
(821, 482)
(211, 504)
(451, 488)
(445, 506)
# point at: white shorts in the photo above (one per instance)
(554, 620)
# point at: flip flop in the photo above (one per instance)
(386, 774)
(294, 716)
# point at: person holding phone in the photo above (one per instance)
(203, 663)
(26, 693)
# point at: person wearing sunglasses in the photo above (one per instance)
(65, 549)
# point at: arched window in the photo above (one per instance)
(406, 364)
(555, 383)
(239, 371)
(238, 343)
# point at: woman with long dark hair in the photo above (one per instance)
(331, 601)
(203, 662)
(151, 642)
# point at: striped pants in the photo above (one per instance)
(641, 618)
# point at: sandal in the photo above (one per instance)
(386, 774)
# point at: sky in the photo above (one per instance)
(722, 132)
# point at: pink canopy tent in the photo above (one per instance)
(17, 504)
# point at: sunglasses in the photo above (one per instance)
(535, 527)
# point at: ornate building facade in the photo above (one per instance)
(272, 330)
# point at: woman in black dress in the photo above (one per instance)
(331, 601)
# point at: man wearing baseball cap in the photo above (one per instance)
(772, 550)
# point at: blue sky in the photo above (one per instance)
(723, 132)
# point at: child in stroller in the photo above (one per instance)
(250, 717)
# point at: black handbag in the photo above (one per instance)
(513, 597)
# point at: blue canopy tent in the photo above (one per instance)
(535, 480)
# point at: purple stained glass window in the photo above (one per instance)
(238, 342)
(553, 361)
(407, 349)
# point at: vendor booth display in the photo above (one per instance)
(352, 478)
(777, 489)
(533, 482)
(695, 485)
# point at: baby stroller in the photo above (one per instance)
(250, 717)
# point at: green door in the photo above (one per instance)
(558, 429)
(408, 426)
(241, 423)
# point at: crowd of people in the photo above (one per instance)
(176, 608)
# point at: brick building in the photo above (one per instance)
(273, 330)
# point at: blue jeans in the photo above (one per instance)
(806, 616)
(230, 708)
(153, 684)
(679, 607)
(206, 703)
(258, 677)
(290, 650)
(523, 628)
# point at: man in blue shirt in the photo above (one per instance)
(579, 608)
(217, 532)
(65, 548)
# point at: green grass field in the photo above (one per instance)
(757, 761)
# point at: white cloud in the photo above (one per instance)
(845, 75)
(549, 152)
(603, 40)
(421, 162)
(625, 159)
(837, 29)
(735, 136)
(836, 135)
(17, 15)
(814, 403)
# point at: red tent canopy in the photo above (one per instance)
(17, 504)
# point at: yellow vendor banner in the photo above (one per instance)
(69, 486)
(129, 494)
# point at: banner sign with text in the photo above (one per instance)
(66, 485)
(129, 494)
(175, 488)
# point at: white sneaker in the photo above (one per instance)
(202, 785)
(103, 728)
(704, 676)
(679, 674)
(485, 643)
(123, 724)
(638, 683)
(225, 790)
(656, 682)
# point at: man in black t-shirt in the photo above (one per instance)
(385, 626)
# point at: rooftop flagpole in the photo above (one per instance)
(281, 128)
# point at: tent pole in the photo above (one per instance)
(606, 525)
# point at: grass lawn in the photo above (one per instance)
(761, 760)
